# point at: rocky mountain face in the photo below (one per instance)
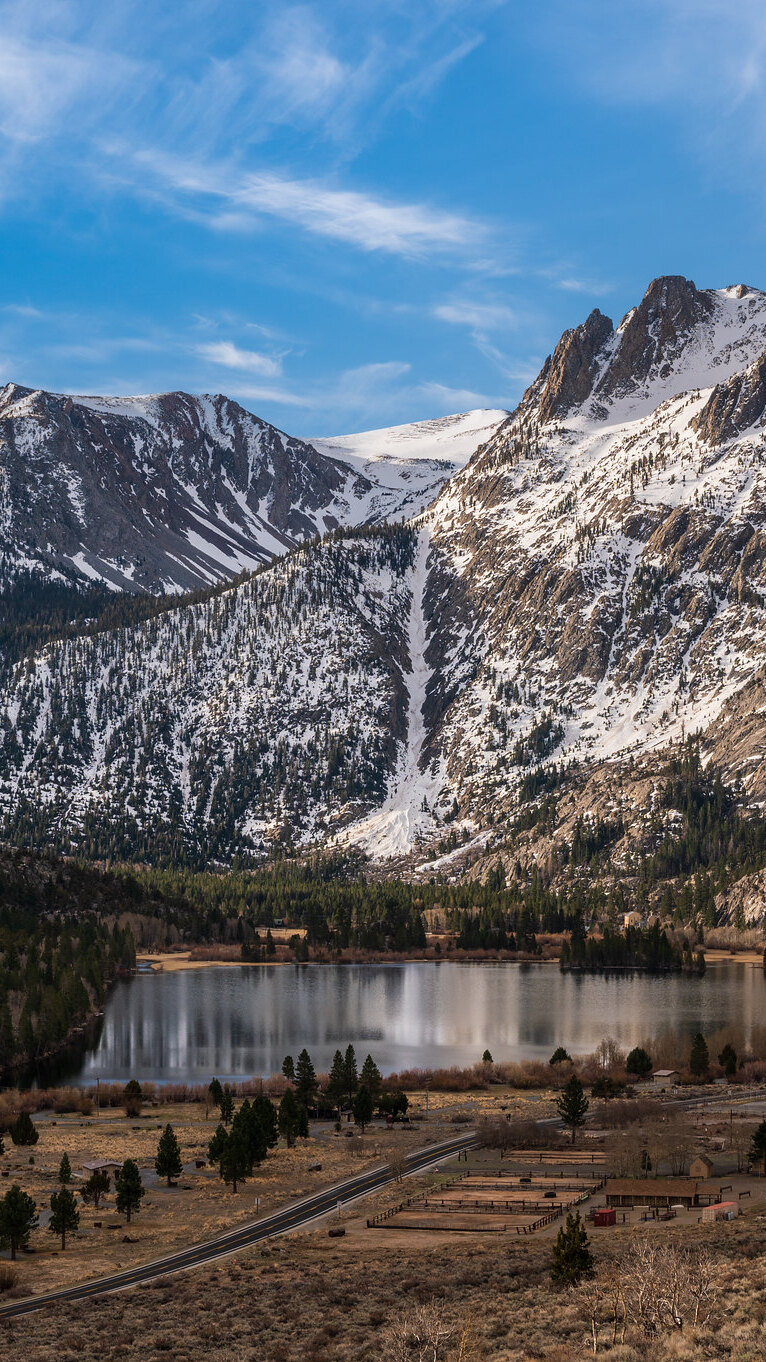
(588, 591)
(173, 492)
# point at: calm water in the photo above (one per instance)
(237, 1022)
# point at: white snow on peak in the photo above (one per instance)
(719, 346)
(408, 465)
(452, 439)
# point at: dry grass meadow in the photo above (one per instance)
(388, 1294)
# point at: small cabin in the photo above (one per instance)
(632, 919)
(701, 1167)
(665, 1078)
(102, 1166)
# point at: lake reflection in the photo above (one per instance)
(235, 1022)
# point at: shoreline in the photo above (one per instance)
(173, 962)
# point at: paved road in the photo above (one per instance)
(292, 1217)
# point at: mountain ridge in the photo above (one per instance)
(172, 492)
(578, 599)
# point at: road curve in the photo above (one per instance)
(291, 1217)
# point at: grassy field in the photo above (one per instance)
(200, 1206)
(310, 1299)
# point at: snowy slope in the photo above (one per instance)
(589, 588)
(408, 465)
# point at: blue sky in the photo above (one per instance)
(348, 215)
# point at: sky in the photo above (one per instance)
(353, 215)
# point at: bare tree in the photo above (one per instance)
(666, 1287)
(421, 1334)
(608, 1054)
(397, 1164)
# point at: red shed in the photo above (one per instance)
(605, 1217)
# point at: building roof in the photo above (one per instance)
(649, 1187)
(96, 1164)
(664, 1073)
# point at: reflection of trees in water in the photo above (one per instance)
(242, 1021)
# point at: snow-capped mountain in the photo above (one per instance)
(408, 465)
(173, 492)
(588, 589)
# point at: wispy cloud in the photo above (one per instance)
(230, 356)
(366, 221)
(477, 316)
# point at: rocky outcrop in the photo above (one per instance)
(569, 374)
(735, 406)
(653, 334)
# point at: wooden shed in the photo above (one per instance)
(655, 1192)
(701, 1167)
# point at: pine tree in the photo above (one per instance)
(131, 1097)
(572, 1258)
(728, 1060)
(560, 1056)
(305, 1080)
(362, 1106)
(24, 1130)
(370, 1077)
(227, 1104)
(65, 1217)
(168, 1161)
(215, 1092)
(303, 1122)
(572, 1105)
(699, 1058)
(639, 1062)
(65, 1170)
(265, 1113)
(234, 1160)
(289, 1117)
(18, 1218)
(98, 1185)
(288, 1068)
(350, 1076)
(757, 1153)
(336, 1082)
(487, 1058)
(129, 1188)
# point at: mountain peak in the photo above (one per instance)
(677, 338)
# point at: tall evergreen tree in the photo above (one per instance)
(362, 1106)
(65, 1170)
(235, 1161)
(699, 1059)
(572, 1105)
(336, 1082)
(350, 1075)
(288, 1068)
(265, 1113)
(168, 1162)
(572, 1258)
(305, 1079)
(371, 1077)
(65, 1217)
(129, 1188)
(227, 1104)
(289, 1117)
(18, 1218)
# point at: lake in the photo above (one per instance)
(242, 1021)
